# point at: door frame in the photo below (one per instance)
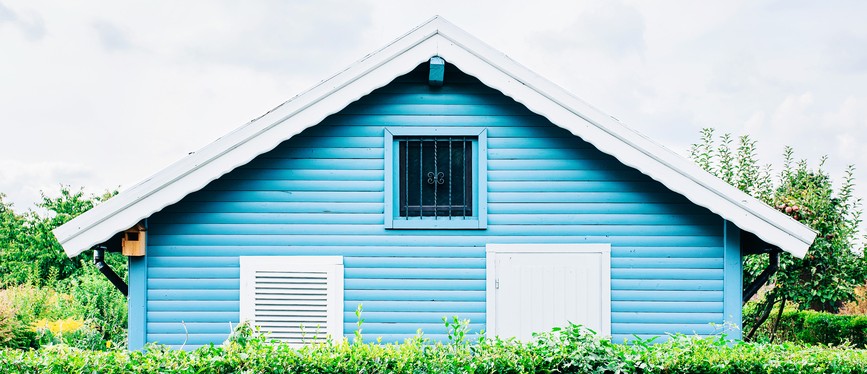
(492, 250)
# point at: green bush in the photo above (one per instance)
(84, 312)
(809, 327)
(13, 333)
(95, 300)
(571, 349)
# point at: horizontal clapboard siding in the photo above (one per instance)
(321, 194)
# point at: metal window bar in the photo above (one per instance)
(464, 183)
(450, 178)
(432, 177)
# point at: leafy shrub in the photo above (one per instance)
(13, 333)
(96, 301)
(683, 354)
(809, 327)
(71, 332)
(86, 312)
(571, 349)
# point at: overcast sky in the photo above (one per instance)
(104, 94)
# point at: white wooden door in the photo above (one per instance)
(538, 287)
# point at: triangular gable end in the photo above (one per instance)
(437, 37)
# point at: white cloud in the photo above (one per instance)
(112, 36)
(28, 22)
(23, 182)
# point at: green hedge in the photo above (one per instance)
(570, 350)
(809, 327)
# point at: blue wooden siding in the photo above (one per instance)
(321, 193)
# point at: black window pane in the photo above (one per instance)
(435, 177)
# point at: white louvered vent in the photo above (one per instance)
(296, 299)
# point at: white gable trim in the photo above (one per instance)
(436, 37)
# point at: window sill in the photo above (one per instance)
(455, 224)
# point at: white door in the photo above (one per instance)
(535, 287)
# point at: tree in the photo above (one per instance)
(29, 253)
(834, 265)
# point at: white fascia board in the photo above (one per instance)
(436, 37)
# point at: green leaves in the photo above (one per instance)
(569, 350)
(833, 267)
(29, 253)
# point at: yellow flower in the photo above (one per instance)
(57, 327)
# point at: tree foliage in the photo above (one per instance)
(29, 253)
(834, 264)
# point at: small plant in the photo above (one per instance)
(359, 321)
(456, 330)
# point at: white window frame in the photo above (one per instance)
(492, 250)
(479, 220)
(333, 265)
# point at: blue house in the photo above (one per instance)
(435, 177)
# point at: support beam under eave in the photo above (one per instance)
(437, 71)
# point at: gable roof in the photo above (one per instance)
(436, 37)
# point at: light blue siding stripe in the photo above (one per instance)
(414, 262)
(206, 305)
(193, 295)
(412, 295)
(573, 186)
(664, 296)
(595, 219)
(178, 339)
(417, 306)
(671, 274)
(340, 124)
(471, 238)
(413, 273)
(393, 328)
(273, 218)
(284, 185)
(192, 316)
(514, 230)
(667, 285)
(667, 306)
(411, 317)
(348, 250)
(642, 317)
(566, 175)
(415, 284)
(191, 327)
(193, 284)
(664, 328)
(301, 175)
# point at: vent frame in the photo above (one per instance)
(316, 282)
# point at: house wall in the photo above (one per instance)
(321, 193)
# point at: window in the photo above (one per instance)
(296, 299)
(435, 178)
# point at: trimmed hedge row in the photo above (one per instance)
(810, 327)
(571, 350)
